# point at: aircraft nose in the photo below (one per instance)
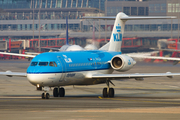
(44, 79)
(34, 79)
(134, 62)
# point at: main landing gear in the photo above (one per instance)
(59, 92)
(108, 92)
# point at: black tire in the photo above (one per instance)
(61, 92)
(47, 96)
(42, 96)
(55, 92)
(105, 92)
(111, 92)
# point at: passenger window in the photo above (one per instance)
(43, 63)
(34, 63)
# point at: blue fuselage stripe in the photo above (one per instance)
(74, 61)
(63, 72)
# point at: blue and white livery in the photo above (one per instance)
(57, 69)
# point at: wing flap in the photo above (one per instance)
(136, 75)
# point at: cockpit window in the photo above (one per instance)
(53, 64)
(43, 63)
(34, 63)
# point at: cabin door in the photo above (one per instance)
(63, 68)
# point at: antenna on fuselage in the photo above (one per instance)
(67, 43)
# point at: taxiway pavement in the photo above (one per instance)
(153, 98)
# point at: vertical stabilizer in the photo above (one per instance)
(118, 29)
(117, 33)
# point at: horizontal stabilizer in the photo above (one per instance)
(149, 17)
(133, 18)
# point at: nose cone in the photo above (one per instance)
(44, 79)
(41, 75)
(35, 79)
(134, 62)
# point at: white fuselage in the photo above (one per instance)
(70, 78)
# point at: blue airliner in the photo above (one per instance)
(57, 69)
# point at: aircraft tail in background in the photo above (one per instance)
(118, 29)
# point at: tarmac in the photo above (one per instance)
(153, 98)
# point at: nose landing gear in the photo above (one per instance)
(45, 95)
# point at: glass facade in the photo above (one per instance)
(173, 7)
(55, 14)
(159, 8)
(18, 4)
(76, 27)
(141, 11)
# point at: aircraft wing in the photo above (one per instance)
(51, 48)
(171, 50)
(32, 53)
(15, 54)
(153, 57)
(136, 76)
(10, 74)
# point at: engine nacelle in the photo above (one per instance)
(122, 63)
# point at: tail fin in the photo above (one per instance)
(118, 29)
(117, 33)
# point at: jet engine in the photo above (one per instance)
(122, 63)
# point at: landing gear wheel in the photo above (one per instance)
(55, 92)
(42, 96)
(105, 94)
(111, 92)
(61, 92)
(47, 96)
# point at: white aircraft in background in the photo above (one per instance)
(68, 47)
(57, 69)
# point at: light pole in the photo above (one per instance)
(99, 20)
(33, 19)
(40, 1)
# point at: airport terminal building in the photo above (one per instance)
(29, 19)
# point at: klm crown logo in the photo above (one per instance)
(118, 28)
